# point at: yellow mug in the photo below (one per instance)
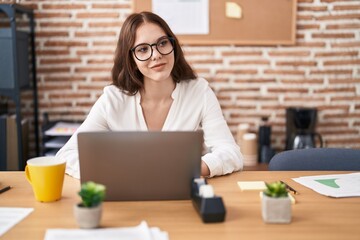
(46, 176)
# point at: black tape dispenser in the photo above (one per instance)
(209, 206)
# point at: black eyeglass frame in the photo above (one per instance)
(171, 39)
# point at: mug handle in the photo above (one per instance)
(320, 139)
(27, 174)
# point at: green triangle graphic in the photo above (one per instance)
(329, 182)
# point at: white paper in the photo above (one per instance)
(184, 16)
(62, 129)
(142, 231)
(9, 217)
(251, 185)
(338, 185)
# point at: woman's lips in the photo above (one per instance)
(158, 66)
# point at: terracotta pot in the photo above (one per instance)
(88, 217)
(276, 210)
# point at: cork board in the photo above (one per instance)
(262, 22)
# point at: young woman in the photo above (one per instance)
(155, 89)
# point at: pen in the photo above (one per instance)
(290, 188)
(4, 189)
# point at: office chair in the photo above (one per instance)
(316, 159)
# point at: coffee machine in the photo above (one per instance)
(300, 128)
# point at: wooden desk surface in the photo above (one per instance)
(314, 216)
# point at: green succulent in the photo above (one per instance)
(275, 190)
(92, 194)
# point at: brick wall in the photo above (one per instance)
(76, 42)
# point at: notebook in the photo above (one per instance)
(139, 166)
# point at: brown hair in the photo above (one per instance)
(125, 74)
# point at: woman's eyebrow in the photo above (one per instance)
(153, 42)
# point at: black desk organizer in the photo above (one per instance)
(211, 210)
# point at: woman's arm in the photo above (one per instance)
(95, 121)
(224, 156)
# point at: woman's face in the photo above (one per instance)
(158, 67)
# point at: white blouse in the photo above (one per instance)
(194, 106)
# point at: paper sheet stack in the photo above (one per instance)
(142, 231)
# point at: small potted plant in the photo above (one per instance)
(88, 212)
(276, 204)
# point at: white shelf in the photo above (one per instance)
(56, 142)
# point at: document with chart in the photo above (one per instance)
(337, 185)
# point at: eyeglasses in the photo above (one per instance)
(144, 51)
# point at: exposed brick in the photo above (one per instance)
(105, 43)
(307, 26)
(312, 8)
(346, 7)
(110, 6)
(346, 44)
(58, 43)
(95, 34)
(105, 24)
(69, 95)
(198, 53)
(339, 17)
(310, 44)
(60, 61)
(250, 62)
(343, 26)
(206, 61)
(55, 104)
(92, 69)
(54, 70)
(311, 99)
(336, 90)
(293, 90)
(345, 98)
(102, 15)
(342, 62)
(95, 52)
(302, 81)
(331, 1)
(44, 34)
(101, 79)
(296, 63)
(100, 61)
(52, 88)
(39, 15)
(305, 17)
(242, 53)
(237, 71)
(256, 80)
(333, 35)
(64, 79)
(331, 72)
(52, 52)
(284, 72)
(217, 80)
(91, 87)
(63, 6)
(305, 1)
(256, 98)
(60, 24)
(85, 104)
(337, 54)
(289, 53)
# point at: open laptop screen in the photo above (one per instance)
(141, 165)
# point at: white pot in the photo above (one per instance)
(276, 210)
(88, 217)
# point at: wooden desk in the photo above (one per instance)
(314, 216)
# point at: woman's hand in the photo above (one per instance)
(205, 171)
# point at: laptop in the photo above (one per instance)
(140, 166)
